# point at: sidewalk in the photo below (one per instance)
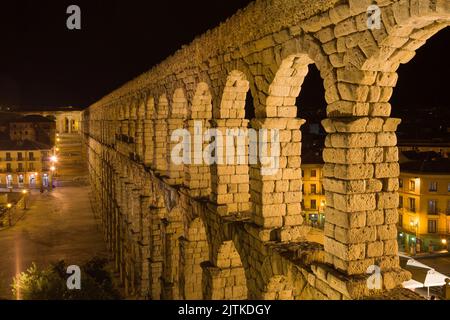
(423, 255)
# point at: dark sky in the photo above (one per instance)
(42, 63)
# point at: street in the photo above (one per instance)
(440, 264)
(57, 225)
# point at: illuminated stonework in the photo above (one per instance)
(226, 231)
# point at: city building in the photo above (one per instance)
(67, 119)
(424, 205)
(313, 203)
(25, 164)
(421, 146)
(33, 128)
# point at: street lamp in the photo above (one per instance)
(52, 169)
(9, 206)
(54, 159)
(24, 192)
(415, 224)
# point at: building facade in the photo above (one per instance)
(313, 204)
(34, 128)
(25, 165)
(424, 206)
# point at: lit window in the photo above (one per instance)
(313, 188)
(412, 204)
(400, 183)
(432, 207)
(313, 173)
(433, 186)
(432, 226)
(412, 185)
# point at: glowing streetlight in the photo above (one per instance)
(444, 241)
(52, 168)
(54, 159)
(24, 192)
(9, 206)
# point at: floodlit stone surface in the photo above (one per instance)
(148, 205)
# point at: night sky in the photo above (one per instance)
(43, 64)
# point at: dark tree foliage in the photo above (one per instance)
(51, 283)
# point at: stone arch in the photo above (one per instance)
(402, 33)
(197, 174)
(201, 103)
(231, 191)
(149, 108)
(232, 104)
(179, 106)
(361, 145)
(227, 279)
(195, 250)
(162, 107)
(277, 203)
(160, 134)
(177, 115)
(286, 86)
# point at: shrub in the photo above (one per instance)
(50, 283)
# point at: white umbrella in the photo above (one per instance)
(412, 284)
(434, 279)
(423, 276)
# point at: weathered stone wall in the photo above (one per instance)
(227, 231)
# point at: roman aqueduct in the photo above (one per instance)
(198, 231)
